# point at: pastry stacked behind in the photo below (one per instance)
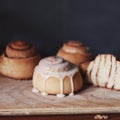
(75, 52)
(59, 75)
(56, 76)
(18, 60)
(104, 71)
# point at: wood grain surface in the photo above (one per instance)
(16, 98)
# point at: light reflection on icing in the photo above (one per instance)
(56, 69)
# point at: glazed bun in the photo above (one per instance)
(104, 71)
(75, 52)
(56, 76)
(18, 60)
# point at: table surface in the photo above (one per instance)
(16, 98)
(104, 96)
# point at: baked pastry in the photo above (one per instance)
(56, 76)
(83, 68)
(18, 60)
(104, 71)
(75, 52)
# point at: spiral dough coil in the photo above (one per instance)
(75, 52)
(56, 76)
(18, 60)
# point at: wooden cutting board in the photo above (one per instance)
(16, 98)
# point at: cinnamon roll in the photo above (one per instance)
(18, 60)
(104, 71)
(56, 76)
(75, 52)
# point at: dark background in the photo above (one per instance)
(49, 23)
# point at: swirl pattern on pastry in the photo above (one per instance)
(55, 64)
(75, 52)
(104, 71)
(75, 47)
(56, 67)
(20, 49)
(18, 60)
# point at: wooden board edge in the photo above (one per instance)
(60, 111)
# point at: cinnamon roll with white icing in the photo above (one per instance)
(104, 71)
(75, 52)
(18, 60)
(56, 76)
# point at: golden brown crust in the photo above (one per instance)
(78, 82)
(20, 49)
(18, 68)
(75, 47)
(76, 59)
(16, 62)
(75, 52)
(83, 67)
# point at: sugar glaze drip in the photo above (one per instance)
(58, 68)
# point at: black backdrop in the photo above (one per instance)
(49, 23)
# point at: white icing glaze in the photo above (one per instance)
(71, 94)
(34, 90)
(104, 71)
(60, 95)
(55, 67)
(54, 64)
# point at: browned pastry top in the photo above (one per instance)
(20, 49)
(75, 47)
